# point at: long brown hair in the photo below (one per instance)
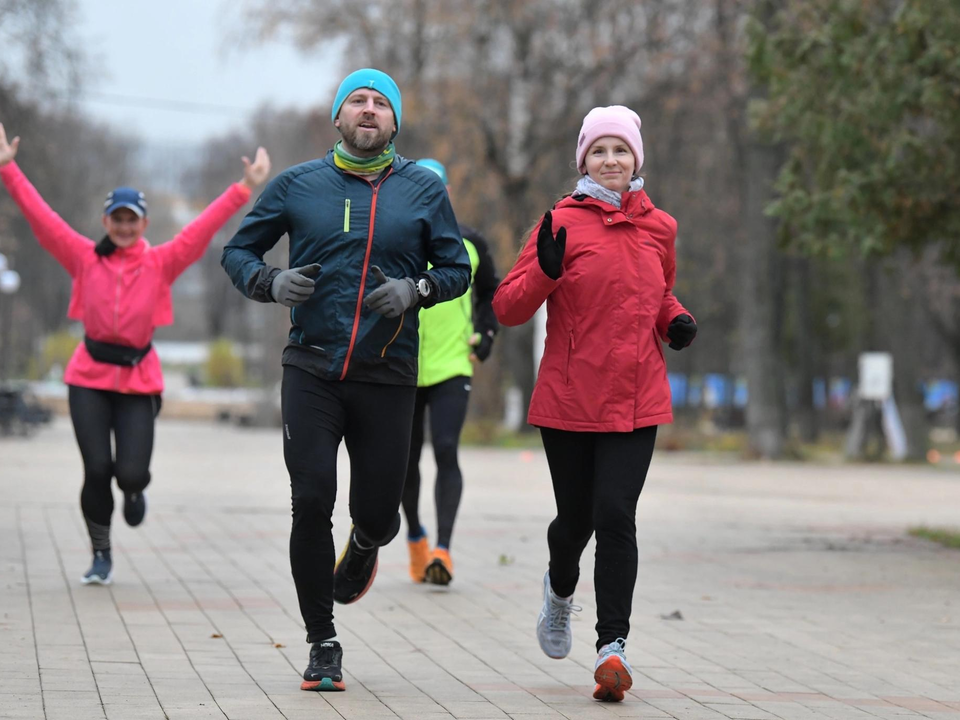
(529, 231)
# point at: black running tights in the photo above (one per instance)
(130, 418)
(374, 421)
(448, 410)
(597, 479)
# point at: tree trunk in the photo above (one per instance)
(760, 311)
(805, 351)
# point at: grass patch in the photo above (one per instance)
(947, 538)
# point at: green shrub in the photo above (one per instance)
(57, 349)
(224, 366)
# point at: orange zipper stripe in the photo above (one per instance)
(363, 277)
(399, 328)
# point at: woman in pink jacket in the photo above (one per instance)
(607, 279)
(121, 293)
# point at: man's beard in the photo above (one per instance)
(364, 141)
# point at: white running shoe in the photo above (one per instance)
(553, 626)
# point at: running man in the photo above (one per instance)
(363, 224)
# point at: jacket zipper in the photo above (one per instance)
(363, 276)
(570, 348)
(346, 215)
(116, 314)
(395, 335)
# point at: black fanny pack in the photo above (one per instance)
(115, 354)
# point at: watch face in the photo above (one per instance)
(423, 287)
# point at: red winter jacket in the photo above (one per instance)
(122, 298)
(603, 368)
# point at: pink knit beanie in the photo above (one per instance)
(613, 121)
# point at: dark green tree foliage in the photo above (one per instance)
(866, 95)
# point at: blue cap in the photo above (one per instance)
(375, 80)
(436, 166)
(126, 197)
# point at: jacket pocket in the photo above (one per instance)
(571, 346)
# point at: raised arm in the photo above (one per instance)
(527, 286)
(190, 244)
(260, 230)
(51, 231)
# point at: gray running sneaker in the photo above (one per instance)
(553, 625)
(101, 572)
(612, 672)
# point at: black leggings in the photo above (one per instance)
(448, 410)
(597, 479)
(95, 413)
(374, 421)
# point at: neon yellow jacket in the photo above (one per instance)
(445, 331)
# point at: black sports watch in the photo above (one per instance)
(424, 288)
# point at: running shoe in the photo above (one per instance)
(419, 557)
(324, 672)
(134, 508)
(101, 571)
(354, 572)
(440, 569)
(553, 626)
(612, 672)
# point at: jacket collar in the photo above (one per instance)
(398, 162)
(634, 203)
(134, 252)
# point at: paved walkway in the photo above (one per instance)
(800, 595)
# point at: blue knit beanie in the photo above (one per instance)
(375, 80)
(436, 166)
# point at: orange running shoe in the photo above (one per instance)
(440, 569)
(612, 672)
(419, 558)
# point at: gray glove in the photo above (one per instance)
(294, 286)
(393, 297)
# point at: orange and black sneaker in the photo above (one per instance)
(324, 673)
(612, 672)
(354, 572)
(440, 568)
(419, 558)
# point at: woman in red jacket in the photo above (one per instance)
(121, 293)
(607, 278)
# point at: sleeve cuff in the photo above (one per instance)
(258, 287)
(243, 190)
(10, 170)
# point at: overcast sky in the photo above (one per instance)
(171, 75)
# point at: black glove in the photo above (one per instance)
(550, 250)
(482, 345)
(294, 286)
(681, 331)
(393, 297)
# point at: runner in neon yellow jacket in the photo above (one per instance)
(454, 337)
